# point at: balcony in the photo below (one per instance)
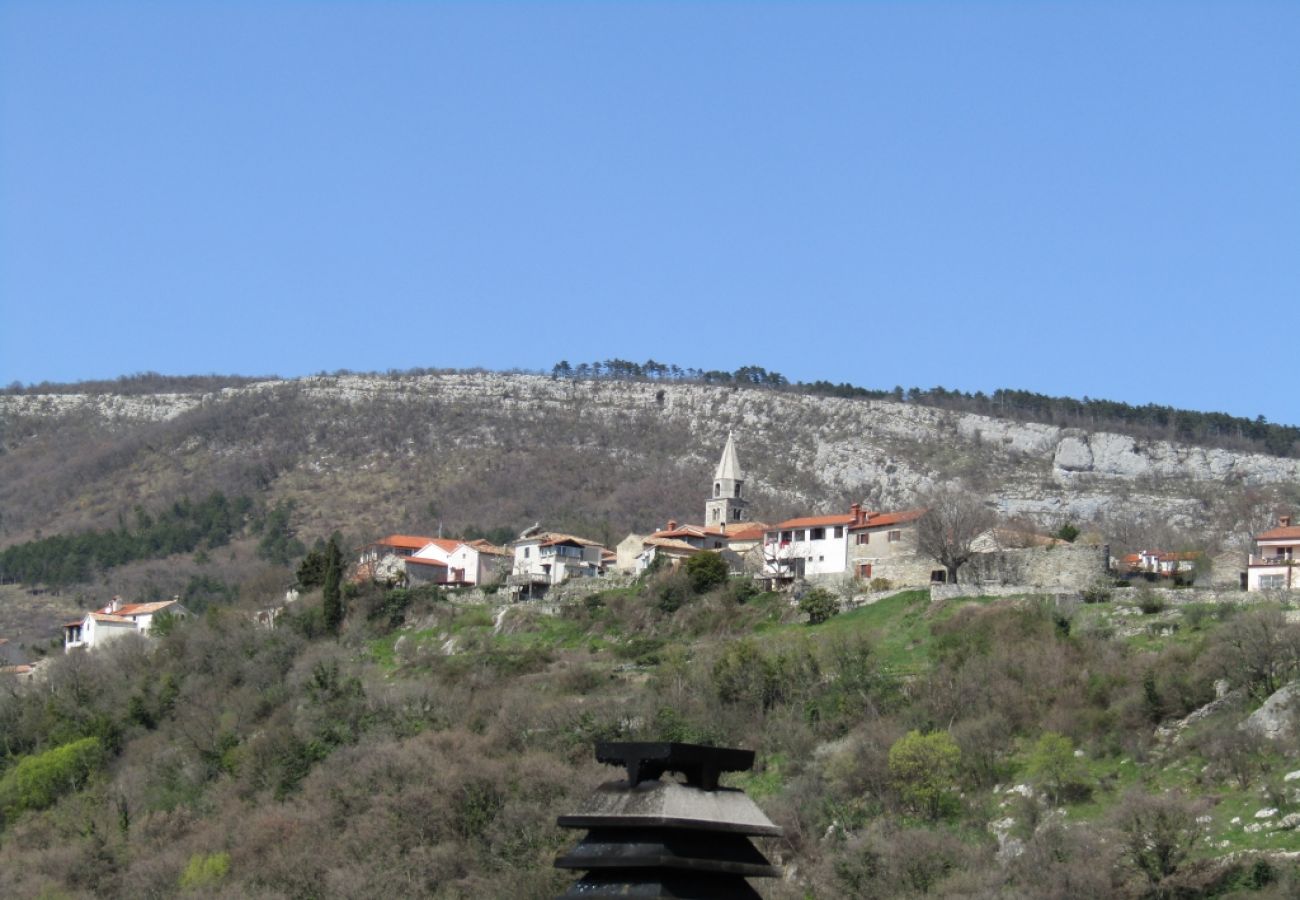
(1271, 560)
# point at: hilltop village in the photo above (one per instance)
(858, 551)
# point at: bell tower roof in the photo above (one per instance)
(729, 465)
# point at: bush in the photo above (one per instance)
(204, 870)
(880, 584)
(1149, 601)
(924, 768)
(820, 604)
(1097, 592)
(1053, 765)
(706, 571)
(37, 781)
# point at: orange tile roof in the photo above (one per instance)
(425, 562)
(813, 521)
(670, 544)
(138, 609)
(114, 620)
(483, 546)
(752, 532)
(551, 538)
(880, 520)
(405, 541)
(1291, 532)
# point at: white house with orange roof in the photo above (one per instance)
(114, 620)
(1273, 566)
(806, 547)
(450, 561)
(385, 559)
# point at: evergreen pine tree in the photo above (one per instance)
(333, 594)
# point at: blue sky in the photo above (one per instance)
(1096, 199)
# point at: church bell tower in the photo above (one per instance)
(726, 506)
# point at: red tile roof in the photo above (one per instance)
(405, 541)
(419, 561)
(137, 609)
(483, 546)
(813, 522)
(1280, 534)
(880, 520)
(752, 531)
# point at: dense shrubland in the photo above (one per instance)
(428, 749)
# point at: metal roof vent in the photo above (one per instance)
(665, 839)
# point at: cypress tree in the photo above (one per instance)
(333, 595)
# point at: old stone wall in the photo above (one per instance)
(1067, 567)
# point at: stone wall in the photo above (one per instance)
(1069, 567)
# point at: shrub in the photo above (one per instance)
(1149, 601)
(1053, 765)
(820, 604)
(880, 584)
(672, 592)
(1158, 832)
(1097, 592)
(924, 768)
(37, 781)
(204, 870)
(706, 571)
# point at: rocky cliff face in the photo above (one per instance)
(801, 452)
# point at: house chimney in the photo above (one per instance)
(115, 604)
(1284, 521)
(672, 525)
(856, 512)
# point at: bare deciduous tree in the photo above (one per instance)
(953, 519)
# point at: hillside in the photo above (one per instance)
(965, 748)
(480, 450)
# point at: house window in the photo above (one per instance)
(736, 490)
(821, 559)
(798, 535)
(864, 537)
(735, 515)
(526, 553)
(864, 570)
(715, 515)
(785, 537)
(895, 537)
(717, 489)
(839, 531)
(1272, 582)
(817, 534)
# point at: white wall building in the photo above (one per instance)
(807, 547)
(1273, 567)
(114, 620)
(546, 558)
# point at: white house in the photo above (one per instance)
(444, 560)
(115, 620)
(543, 558)
(1273, 567)
(807, 547)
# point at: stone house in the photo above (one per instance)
(883, 545)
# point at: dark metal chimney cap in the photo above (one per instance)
(647, 760)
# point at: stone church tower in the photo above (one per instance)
(727, 505)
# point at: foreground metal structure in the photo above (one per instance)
(667, 839)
